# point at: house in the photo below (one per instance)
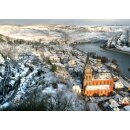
(54, 58)
(113, 103)
(124, 101)
(72, 62)
(118, 85)
(76, 88)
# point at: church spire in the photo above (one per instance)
(87, 68)
(87, 60)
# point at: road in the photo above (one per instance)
(94, 101)
(93, 107)
(125, 83)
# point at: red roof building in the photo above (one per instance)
(94, 86)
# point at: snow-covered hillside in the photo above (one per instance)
(120, 41)
(39, 68)
(57, 32)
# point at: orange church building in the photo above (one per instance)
(94, 86)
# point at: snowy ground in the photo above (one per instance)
(61, 32)
(31, 61)
(120, 41)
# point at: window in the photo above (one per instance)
(93, 83)
(109, 82)
(96, 83)
(102, 82)
(99, 83)
(90, 83)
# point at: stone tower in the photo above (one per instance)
(87, 75)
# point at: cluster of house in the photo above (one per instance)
(93, 79)
(98, 79)
(67, 59)
(117, 104)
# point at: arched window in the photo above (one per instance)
(99, 82)
(96, 82)
(93, 82)
(109, 82)
(102, 82)
(105, 82)
(90, 83)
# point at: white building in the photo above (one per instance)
(76, 88)
(118, 85)
(72, 63)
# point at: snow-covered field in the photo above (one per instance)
(60, 32)
(28, 62)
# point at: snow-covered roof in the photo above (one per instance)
(103, 75)
(97, 87)
(49, 90)
(127, 108)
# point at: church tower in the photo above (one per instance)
(87, 75)
(92, 86)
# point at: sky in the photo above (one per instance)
(66, 21)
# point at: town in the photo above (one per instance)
(114, 98)
(86, 81)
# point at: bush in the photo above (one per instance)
(104, 59)
(48, 61)
(114, 61)
(2, 40)
(30, 104)
(61, 101)
(54, 85)
(117, 70)
(53, 68)
(46, 102)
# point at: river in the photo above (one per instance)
(122, 59)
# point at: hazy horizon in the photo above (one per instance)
(103, 22)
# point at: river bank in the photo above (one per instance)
(116, 50)
(101, 41)
(123, 59)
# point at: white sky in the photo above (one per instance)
(67, 21)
